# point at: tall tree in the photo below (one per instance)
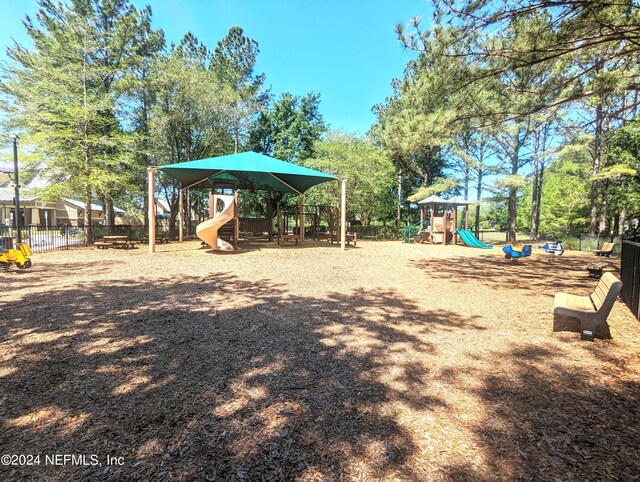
(367, 169)
(233, 62)
(187, 120)
(65, 93)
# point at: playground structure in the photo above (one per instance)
(208, 230)
(247, 170)
(438, 221)
(18, 256)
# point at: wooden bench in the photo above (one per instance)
(322, 235)
(283, 238)
(605, 250)
(349, 238)
(592, 311)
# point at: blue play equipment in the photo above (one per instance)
(556, 249)
(470, 240)
(514, 254)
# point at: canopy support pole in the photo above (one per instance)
(288, 185)
(343, 215)
(302, 217)
(152, 210)
(202, 180)
(181, 214)
(236, 216)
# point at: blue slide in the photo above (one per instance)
(470, 240)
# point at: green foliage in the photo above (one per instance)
(367, 169)
(66, 93)
(289, 128)
(565, 195)
(440, 186)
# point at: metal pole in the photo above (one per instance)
(343, 215)
(181, 209)
(152, 210)
(16, 180)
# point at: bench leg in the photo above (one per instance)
(592, 328)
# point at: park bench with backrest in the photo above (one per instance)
(591, 310)
(605, 250)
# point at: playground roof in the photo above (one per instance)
(433, 200)
(437, 200)
(252, 171)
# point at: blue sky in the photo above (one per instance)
(344, 49)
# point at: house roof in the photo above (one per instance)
(95, 206)
(7, 194)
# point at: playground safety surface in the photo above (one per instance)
(386, 362)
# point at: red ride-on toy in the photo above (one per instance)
(19, 257)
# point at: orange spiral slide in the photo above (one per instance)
(208, 230)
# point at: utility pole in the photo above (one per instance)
(16, 180)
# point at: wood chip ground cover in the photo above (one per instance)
(387, 362)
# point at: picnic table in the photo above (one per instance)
(284, 237)
(120, 242)
(162, 239)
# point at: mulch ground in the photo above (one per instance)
(386, 362)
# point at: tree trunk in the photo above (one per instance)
(604, 204)
(511, 227)
(188, 212)
(399, 213)
(478, 201)
(621, 221)
(597, 159)
(539, 198)
(513, 191)
(467, 174)
(109, 214)
(533, 233)
(146, 204)
(88, 229)
(172, 223)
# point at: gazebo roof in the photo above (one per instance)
(459, 200)
(433, 200)
(438, 201)
(252, 171)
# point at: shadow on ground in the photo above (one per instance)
(544, 422)
(214, 377)
(219, 378)
(535, 274)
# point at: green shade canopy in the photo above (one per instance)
(252, 170)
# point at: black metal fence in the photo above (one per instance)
(50, 238)
(590, 242)
(630, 275)
(45, 238)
